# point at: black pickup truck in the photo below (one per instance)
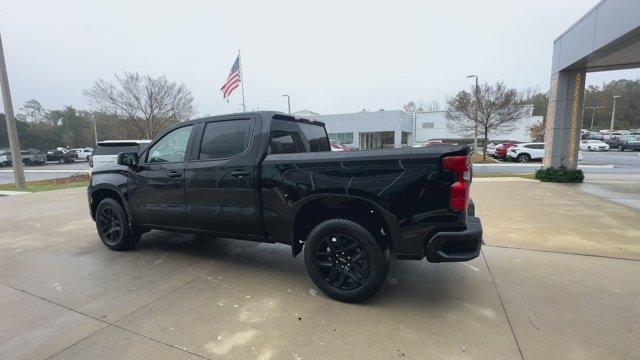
(271, 177)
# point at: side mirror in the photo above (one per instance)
(129, 159)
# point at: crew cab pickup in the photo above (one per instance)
(271, 177)
(62, 155)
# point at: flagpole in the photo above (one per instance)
(244, 109)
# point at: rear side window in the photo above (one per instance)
(115, 149)
(224, 139)
(295, 137)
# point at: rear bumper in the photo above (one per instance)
(451, 246)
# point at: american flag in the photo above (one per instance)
(233, 80)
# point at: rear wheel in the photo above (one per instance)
(620, 148)
(345, 261)
(113, 226)
(61, 160)
(523, 158)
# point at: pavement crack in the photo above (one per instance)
(493, 280)
(157, 299)
(107, 323)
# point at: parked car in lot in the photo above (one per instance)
(624, 142)
(593, 145)
(501, 149)
(32, 157)
(106, 152)
(62, 155)
(491, 149)
(271, 177)
(83, 153)
(523, 153)
(593, 135)
(5, 158)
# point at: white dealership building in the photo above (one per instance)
(396, 128)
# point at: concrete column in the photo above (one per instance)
(562, 130)
(397, 134)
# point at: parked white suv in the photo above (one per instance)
(525, 152)
(106, 152)
(83, 153)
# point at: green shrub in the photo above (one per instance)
(561, 175)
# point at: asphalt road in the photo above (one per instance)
(592, 163)
(51, 170)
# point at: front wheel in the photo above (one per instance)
(113, 227)
(523, 158)
(345, 261)
(61, 160)
(620, 148)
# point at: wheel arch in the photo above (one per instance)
(102, 192)
(315, 209)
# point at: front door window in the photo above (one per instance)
(172, 147)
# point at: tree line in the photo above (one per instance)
(133, 106)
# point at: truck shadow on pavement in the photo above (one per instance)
(408, 282)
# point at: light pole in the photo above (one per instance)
(12, 130)
(95, 127)
(475, 125)
(593, 113)
(288, 102)
(613, 116)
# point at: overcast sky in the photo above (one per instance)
(330, 56)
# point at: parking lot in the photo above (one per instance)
(556, 279)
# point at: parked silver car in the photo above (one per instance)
(33, 157)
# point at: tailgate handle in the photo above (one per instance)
(240, 173)
(174, 174)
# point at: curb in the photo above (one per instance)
(610, 166)
(12, 193)
(79, 171)
(502, 179)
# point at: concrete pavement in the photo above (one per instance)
(65, 296)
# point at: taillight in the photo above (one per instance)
(90, 160)
(459, 190)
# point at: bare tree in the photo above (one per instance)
(499, 108)
(536, 131)
(151, 104)
(411, 107)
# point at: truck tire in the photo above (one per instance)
(345, 261)
(61, 160)
(113, 227)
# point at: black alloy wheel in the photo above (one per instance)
(110, 224)
(346, 260)
(113, 226)
(342, 261)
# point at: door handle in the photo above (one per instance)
(240, 173)
(174, 174)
